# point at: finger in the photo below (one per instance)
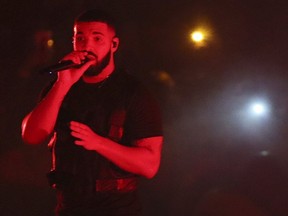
(77, 135)
(72, 57)
(83, 144)
(78, 124)
(83, 57)
(75, 124)
(79, 142)
(78, 130)
(75, 128)
(88, 63)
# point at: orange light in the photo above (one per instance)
(50, 43)
(197, 36)
(201, 36)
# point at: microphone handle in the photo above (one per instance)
(63, 65)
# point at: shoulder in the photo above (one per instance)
(125, 78)
(129, 85)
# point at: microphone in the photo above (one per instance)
(63, 65)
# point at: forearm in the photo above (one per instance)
(142, 158)
(38, 124)
(138, 160)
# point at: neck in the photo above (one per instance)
(105, 73)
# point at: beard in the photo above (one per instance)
(96, 69)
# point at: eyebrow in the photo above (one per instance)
(94, 33)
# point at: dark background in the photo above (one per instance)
(217, 159)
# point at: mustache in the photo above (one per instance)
(90, 53)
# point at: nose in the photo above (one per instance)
(86, 45)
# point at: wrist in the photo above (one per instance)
(62, 85)
(102, 143)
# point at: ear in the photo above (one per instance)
(115, 44)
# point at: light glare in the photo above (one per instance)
(200, 36)
(50, 43)
(258, 108)
(197, 36)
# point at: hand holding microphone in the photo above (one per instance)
(79, 59)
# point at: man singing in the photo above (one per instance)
(104, 127)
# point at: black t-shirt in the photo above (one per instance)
(95, 105)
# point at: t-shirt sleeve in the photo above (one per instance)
(144, 115)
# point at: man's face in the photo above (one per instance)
(98, 39)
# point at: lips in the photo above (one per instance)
(91, 54)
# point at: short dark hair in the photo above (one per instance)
(96, 15)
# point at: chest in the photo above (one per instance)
(94, 106)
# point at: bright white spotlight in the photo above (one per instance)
(259, 109)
